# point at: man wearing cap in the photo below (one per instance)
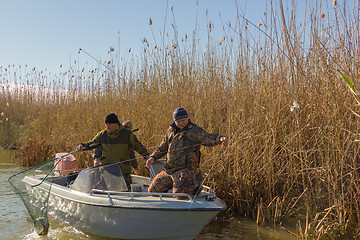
(181, 145)
(115, 143)
(134, 163)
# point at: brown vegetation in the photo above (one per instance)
(279, 97)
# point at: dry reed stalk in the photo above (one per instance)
(277, 96)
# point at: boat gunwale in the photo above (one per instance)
(79, 193)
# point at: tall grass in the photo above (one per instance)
(274, 90)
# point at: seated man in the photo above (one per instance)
(182, 146)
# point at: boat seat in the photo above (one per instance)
(197, 183)
(60, 180)
(157, 166)
(65, 180)
(70, 178)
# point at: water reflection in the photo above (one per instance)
(217, 229)
(241, 229)
(12, 211)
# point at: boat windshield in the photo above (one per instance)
(104, 177)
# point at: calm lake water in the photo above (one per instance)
(14, 225)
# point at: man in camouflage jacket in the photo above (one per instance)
(181, 145)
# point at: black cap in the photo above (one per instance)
(111, 118)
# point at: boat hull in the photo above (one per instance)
(129, 223)
(128, 217)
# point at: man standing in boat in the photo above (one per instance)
(116, 142)
(181, 144)
(134, 163)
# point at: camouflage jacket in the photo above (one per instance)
(182, 147)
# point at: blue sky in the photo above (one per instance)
(46, 34)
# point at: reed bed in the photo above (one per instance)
(276, 94)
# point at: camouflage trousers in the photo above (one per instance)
(182, 181)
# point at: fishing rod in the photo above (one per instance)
(272, 40)
(80, 49)
(212, 166)
(277, 45)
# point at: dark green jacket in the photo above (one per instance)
(115, 147)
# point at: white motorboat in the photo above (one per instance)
(97, 200)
